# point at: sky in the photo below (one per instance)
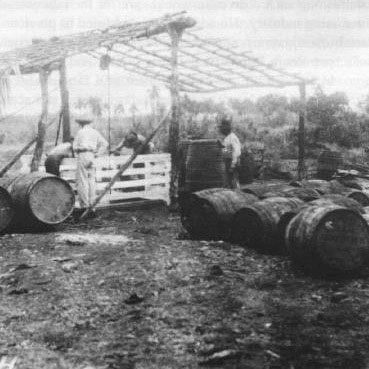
(322, 39)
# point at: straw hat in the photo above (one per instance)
(84, 118)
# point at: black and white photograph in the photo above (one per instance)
(184, 184)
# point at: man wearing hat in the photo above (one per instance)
(87, 144)
(134, 141)
(231, 152)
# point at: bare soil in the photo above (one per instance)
(123, 291)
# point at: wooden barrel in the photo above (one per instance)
(360, 196)
(186, 201)
(256, 226)
(212, 212)
(346, 202)
(41, 199)
(303, 193)
(6, 209)
(328, 163)
(328, 239)
(182, 157)
(261, 189)
(205, 166)
(325, 200)
(322, 186)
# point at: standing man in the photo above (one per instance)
(88, 144)
(231, 152)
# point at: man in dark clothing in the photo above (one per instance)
(56, 155)
(134, 141)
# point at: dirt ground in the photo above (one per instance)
(123, 290)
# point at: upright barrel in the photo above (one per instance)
(182, 157)
(328, 239)
(212, 212)
(328, 163)
(205, 166)
(41, 199)
(6, 209)
(256, 226)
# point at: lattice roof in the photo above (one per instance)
(204, 65)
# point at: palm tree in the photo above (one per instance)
(95, 105)
(80, 104)
(119, 109)
(133, 109)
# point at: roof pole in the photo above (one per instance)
(175, 35)
(43, 76)
(301, 170)
(64, 96)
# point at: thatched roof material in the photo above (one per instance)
(205, 65)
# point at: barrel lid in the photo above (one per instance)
(51, 199)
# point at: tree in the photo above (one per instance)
(96, 106)
(274, 110)
(80, 103)
(133, 110)
(119, 109)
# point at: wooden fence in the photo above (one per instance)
(147, 178)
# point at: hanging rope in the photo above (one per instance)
(109, 115)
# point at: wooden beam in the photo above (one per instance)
(175, 36)
(161, 65)
(301, 170)
(149, 72)
(255, 60)
(43, 76)
(201, 60)
(64, 96)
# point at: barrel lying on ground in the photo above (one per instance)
(256, 225)
(186, 212)
(325, 200)
(6, 209)
(302, 193)
(211, 212)
(328, 239)
(321, 186)
(262, 190)
(40, 199)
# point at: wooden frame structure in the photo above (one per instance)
(162, 49)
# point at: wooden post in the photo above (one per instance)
(43, 75)
(175, 35)
(301, 170)
(64, 95)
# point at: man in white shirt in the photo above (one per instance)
(56, 155)
(231, 152)
(87, 145)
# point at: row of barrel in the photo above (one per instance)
(34, 200)
(321, 225)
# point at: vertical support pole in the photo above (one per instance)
(301, 170)
(43, 76)
(175, 36)
(64, 96)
